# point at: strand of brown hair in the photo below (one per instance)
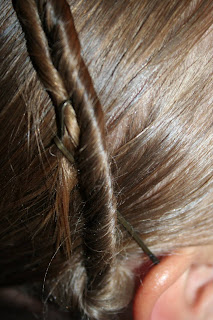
(54, 48)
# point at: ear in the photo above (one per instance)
(179, 288)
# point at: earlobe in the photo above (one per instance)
(172, 291)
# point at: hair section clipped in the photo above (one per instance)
(55, 51)
(129, 228)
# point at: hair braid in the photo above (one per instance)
(53, 42)
(92, 162)
(39, 51)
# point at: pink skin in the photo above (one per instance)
(179, 288)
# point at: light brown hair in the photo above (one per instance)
(140, 128)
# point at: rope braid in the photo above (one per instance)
(54, 49)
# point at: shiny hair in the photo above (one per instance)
(140, 126)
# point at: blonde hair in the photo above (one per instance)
(140, 130)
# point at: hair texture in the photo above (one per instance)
(139, 123)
